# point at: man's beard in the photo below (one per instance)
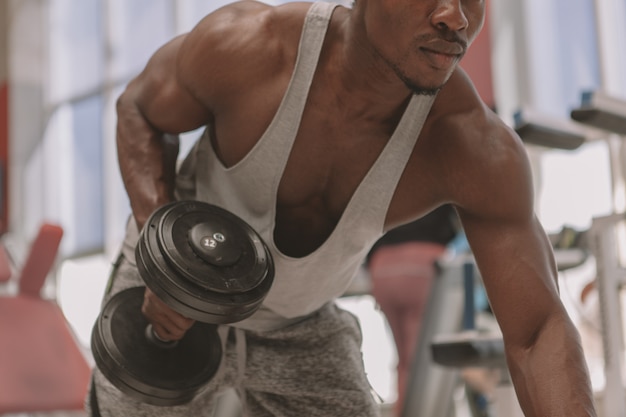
(416, 89)
(411, 84)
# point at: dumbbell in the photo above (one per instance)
(203, 262)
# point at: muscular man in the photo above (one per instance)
(326, 126)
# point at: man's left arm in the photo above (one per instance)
(515, 259)
(543, 349)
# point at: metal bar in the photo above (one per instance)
(430, 386)
(604, 246)
(602, 111)
(558, 134)
(469, 313)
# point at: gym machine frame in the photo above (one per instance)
(607, 113)
(610, 276)
(429, 384)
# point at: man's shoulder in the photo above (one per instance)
(476, 146)
(460, 115)
(252, 24)
(241, 46)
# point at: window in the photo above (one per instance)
(564, 62)
(75, 181)
(94, 48)
(562, 54)
(544, 62)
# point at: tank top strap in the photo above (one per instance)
(309, 49)
(283, 129)
(268, 158)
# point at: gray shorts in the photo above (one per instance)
(312, 368)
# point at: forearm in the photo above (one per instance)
(147, 161)
(551, 377)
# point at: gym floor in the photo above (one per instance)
(80, 284)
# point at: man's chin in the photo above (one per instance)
(423, 90)
(419, 87)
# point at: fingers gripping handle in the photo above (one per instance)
(154, 338)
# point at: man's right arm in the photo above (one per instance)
(212, 69)
(177, 92)
(154, 103)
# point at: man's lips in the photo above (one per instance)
(440, 59)
(446, 46)
(442, 53)
(440, 46)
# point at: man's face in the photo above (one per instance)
(422, 40)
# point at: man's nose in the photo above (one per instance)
(449, 15)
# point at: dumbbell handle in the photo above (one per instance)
(154, 338)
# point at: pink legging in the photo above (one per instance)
(401, 277)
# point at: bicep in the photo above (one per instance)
(160, 93)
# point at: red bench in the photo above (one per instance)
(42, 367)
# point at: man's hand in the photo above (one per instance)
(167, 323)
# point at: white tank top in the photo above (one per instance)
(249, 190)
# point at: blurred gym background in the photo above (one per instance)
(64, 62)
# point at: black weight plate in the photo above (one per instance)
(241, 276)
(173, 236)
(144, 371)
(171, 269)
(193, 301)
